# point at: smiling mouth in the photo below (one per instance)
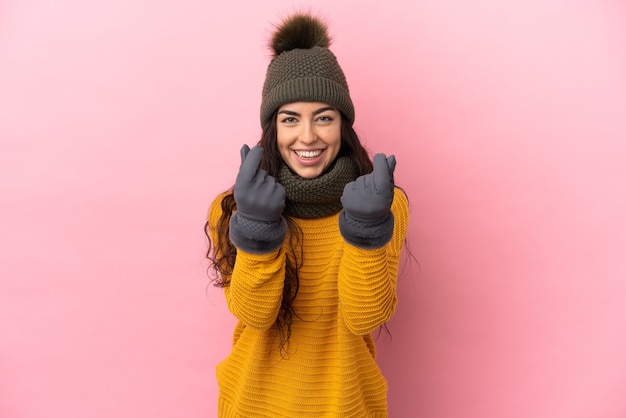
(308, 154)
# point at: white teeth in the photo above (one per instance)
(308, 154)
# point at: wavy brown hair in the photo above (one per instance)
(222, 254)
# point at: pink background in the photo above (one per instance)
(120, 121)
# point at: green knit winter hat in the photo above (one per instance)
(303, 69)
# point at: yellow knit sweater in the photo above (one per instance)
(329, 369)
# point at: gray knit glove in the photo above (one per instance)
(366, 220)
(257, 226)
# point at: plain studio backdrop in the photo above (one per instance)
(121, 121)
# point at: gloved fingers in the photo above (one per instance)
(245, 149)
(251, 162)
(360, 183)
(382, 173)
(391, 163)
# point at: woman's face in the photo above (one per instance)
(308, 136)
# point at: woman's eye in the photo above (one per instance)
(325, 118)
(289, 120)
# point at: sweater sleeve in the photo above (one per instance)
(367, 277)
(255, 288)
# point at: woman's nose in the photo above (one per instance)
(307, 135)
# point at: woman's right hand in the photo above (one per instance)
(257, 194)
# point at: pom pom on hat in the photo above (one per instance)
(300, 31)
(303, 69)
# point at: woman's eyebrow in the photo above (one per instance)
(323, 109)
(316, 112)
(289, 112)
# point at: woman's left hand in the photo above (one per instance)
(368, 199)
(366, 220)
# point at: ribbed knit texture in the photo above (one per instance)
(319, 196)
(305, 75)
(329, 369)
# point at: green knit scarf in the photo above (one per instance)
(318, 197)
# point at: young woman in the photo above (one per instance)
(306, 246)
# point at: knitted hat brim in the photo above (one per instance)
(308, 89)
